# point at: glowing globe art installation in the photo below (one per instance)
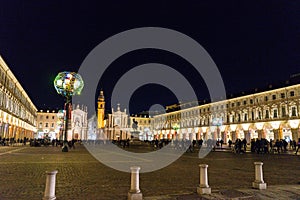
(68, 84)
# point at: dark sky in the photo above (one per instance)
(253, 43)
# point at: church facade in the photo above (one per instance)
(118, 125)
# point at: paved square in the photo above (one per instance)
(80, 176)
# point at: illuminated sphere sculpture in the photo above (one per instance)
(68, 84)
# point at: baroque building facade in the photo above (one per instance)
(50, 124)
(118, 125)
(272, 114)
(18, 114)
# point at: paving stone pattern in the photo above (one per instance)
(80, 176)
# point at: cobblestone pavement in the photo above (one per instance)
(80, 176)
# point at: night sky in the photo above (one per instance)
(253, 43)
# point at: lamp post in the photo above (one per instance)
(176, 127)
(68, 84)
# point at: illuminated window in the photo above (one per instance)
(41, 125)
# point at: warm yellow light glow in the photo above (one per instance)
(259, 125)
(294, 123)
(233, 127)
(275, 124)
(245, 127)
(222, 128)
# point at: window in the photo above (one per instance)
(52, 117)
(47, 117)
(238, 103)
(252, 115)
(41, 125)
(245, 102)
(52, 125)
(274, 96)
(292, 93)
(232, 105)
(239, 117)
(245, 117)
(267, 114)
(266, 98)
(283, 112)
(282, 95)
(294, 113)
(46, 125)
(275, 113)
(259, 115)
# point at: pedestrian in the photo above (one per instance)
(229, 143)
(244, 144)
(298, 146)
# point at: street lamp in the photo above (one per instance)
(176, 127)
(68, 84)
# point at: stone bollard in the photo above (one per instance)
(50, 186)
(259, 181)
(203, 187)
(135, 192)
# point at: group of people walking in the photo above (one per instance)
(13, 141)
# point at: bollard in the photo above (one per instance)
(135, 192)
(50, 186)
(203, 187)
(259, 181)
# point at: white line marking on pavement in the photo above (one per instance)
(11, 151)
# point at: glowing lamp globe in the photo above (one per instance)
(68, 83)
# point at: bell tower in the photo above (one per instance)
(101, 109)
